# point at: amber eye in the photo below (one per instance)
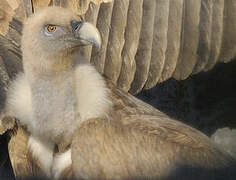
(51, 28)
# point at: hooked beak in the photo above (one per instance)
(86, 33)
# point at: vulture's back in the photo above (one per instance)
(136, 148)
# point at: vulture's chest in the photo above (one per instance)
(53, 102)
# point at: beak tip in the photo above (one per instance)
(89, 34)
(98, 43)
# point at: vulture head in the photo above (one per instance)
(57, 32)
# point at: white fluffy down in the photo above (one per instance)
(60, 162)
(92, 93)
(43, 152)
(52, 165)
(18, 102)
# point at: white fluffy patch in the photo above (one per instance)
(92, 94)
(91, 91)
(43, 151)
(18, 102)
(61, 162)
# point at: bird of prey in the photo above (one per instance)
(79, 126)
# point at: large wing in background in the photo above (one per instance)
(145, 42)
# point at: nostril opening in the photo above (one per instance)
(75, 24)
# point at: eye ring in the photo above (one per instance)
(51, 28)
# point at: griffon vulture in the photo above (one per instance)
(62, 101)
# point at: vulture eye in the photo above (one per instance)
(51, 28)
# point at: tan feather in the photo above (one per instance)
(18, 152)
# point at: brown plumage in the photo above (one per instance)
(133, 140)
(128, 147)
